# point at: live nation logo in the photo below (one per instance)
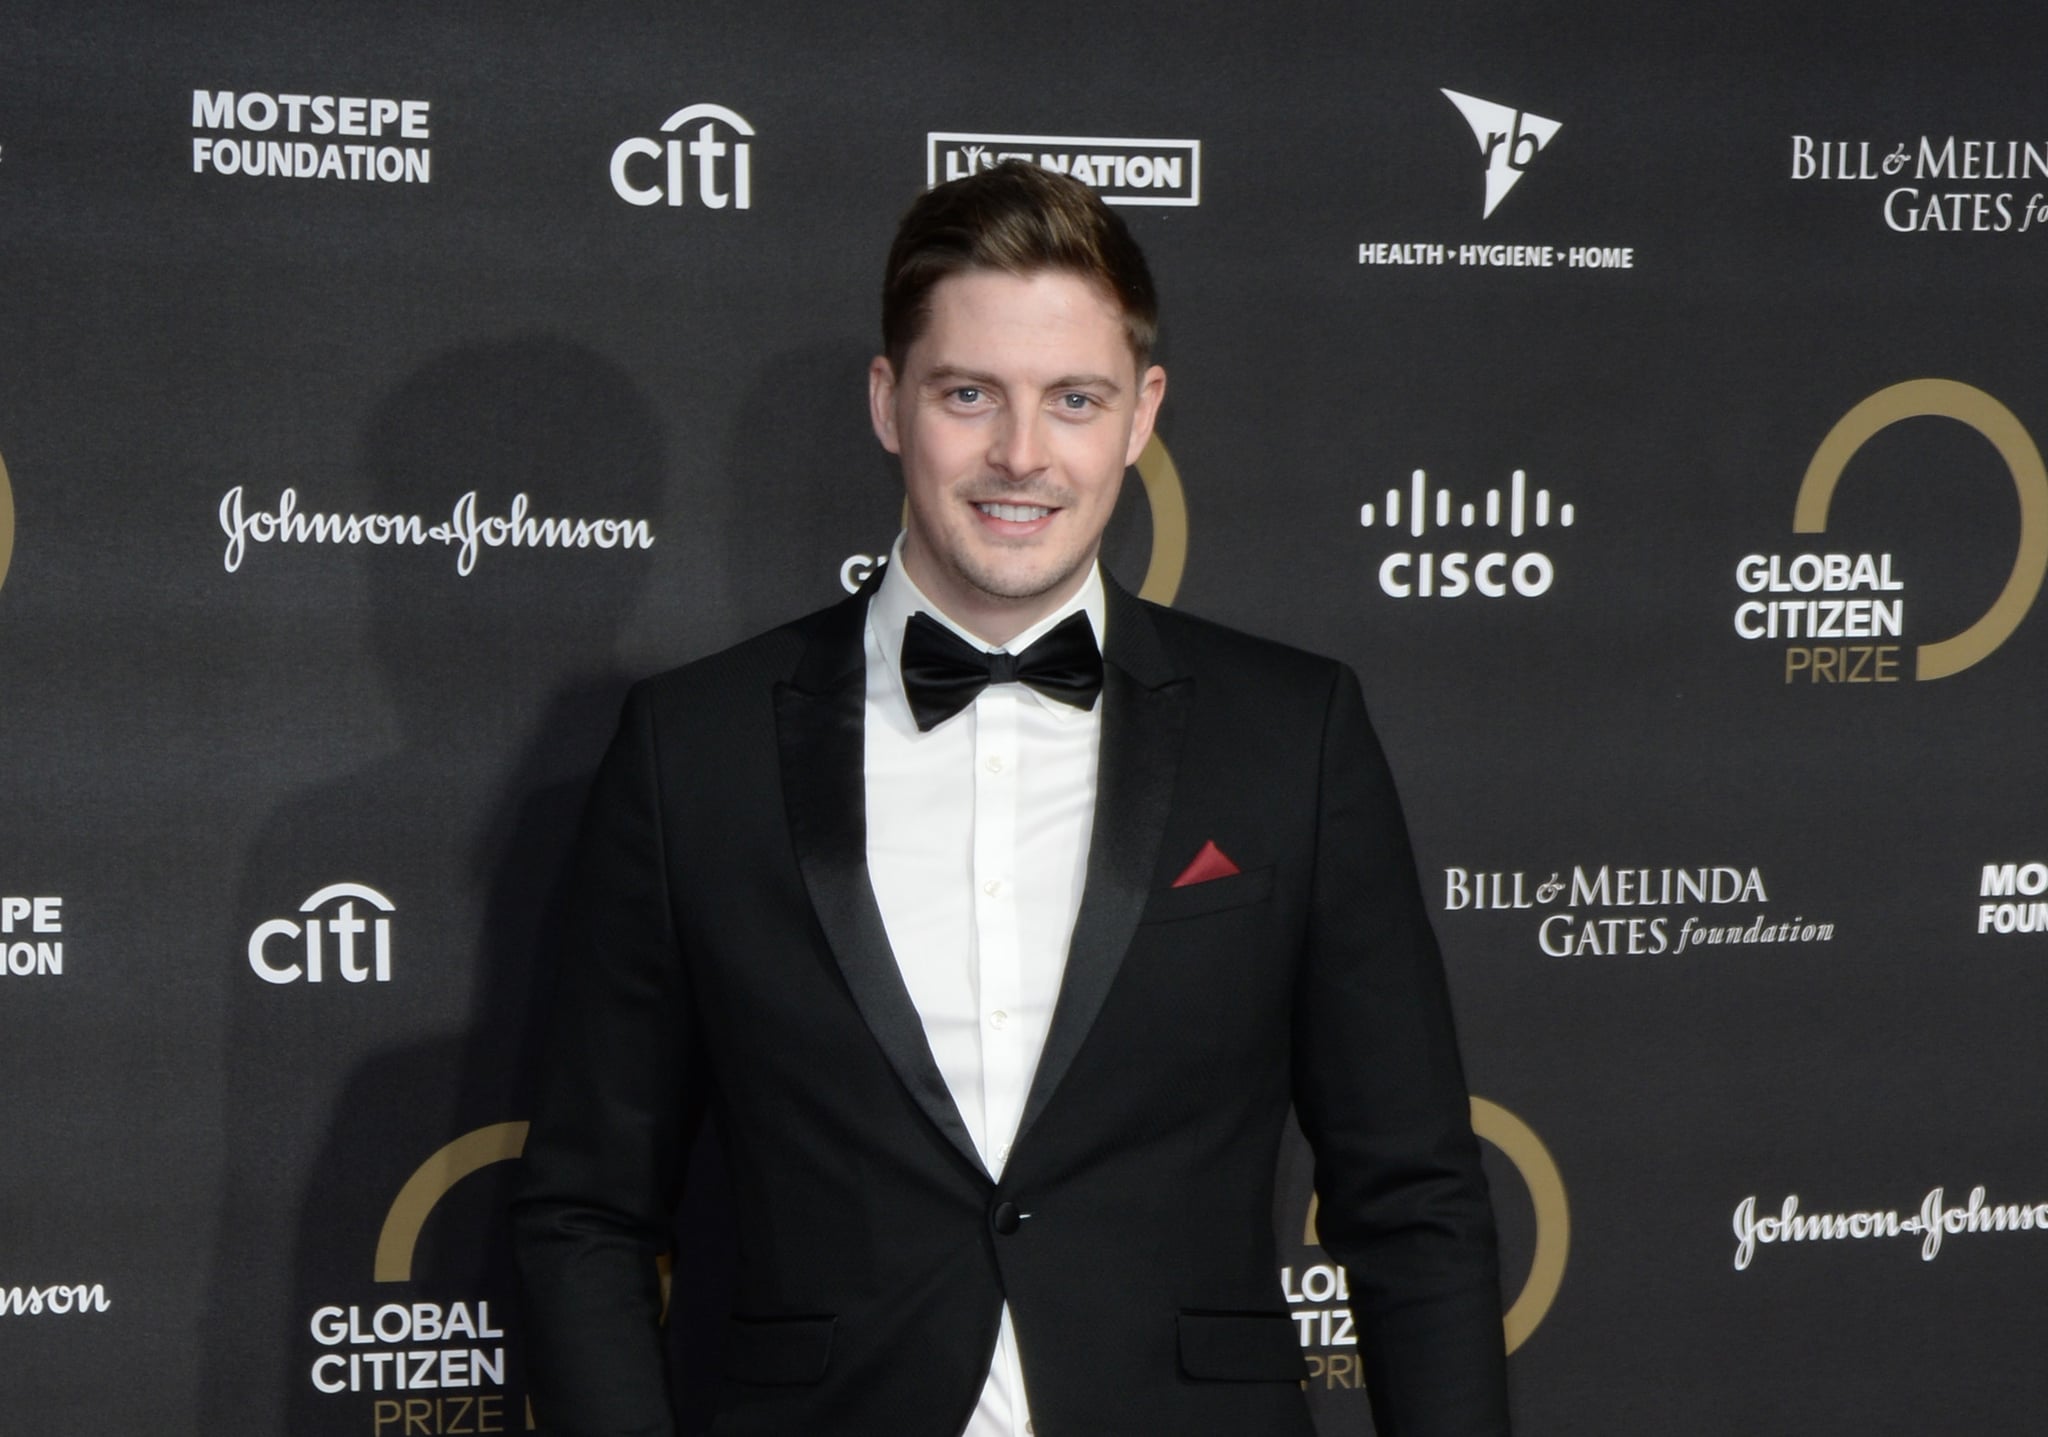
(1937, 184)
(1510, 141)
(1122, 172)
(1613, 912)
(1840, 616)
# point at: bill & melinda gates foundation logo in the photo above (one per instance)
(1609, 911)
(1842, 617)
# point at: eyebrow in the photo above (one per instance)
(954, 374)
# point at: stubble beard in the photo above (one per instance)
(977, 561)
(998, 582)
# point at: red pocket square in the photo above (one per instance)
(1211, 862)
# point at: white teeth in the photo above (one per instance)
(1014, 513)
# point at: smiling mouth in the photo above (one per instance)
(1014, 513)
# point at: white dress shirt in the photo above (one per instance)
(977, 849)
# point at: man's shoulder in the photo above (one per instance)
(1206, 647)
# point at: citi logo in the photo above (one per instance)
(1509, 139)
(362, 943)
(715, 152)
(58, 1299)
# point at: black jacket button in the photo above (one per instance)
(1005, 1218)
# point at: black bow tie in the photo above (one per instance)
(942, 672)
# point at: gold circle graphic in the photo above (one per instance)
(1169, 522)
(1946, 399)
(6, 521)
(1539, 1173)
(1169, 559)
(430, 1183)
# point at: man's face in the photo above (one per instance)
(1016, 413)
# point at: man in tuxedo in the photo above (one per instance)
(996, 918)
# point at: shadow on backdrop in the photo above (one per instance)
(505, 688)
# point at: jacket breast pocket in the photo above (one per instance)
(777, 1351)
(1238, 890)
(1240, 1347)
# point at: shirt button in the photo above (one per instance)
(1003, 1153)
(993, 763)
(992, 887)
(999, 1019)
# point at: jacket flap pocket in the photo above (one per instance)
(1217, 893)
(777, 1351)
(1241, 1347)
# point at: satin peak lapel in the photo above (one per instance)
(1144, 717)
(820, 719)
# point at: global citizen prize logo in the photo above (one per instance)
(1425, 573)
(1509, 141)
(294, 950)
(706, 159)
(1834, 614)
(419, 1365)
(1937, 184)
(1122, 172)
(284, 136)
(1610, 912)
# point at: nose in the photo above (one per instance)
(1017, 448)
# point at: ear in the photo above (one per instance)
(882, 402)
(1151, 389)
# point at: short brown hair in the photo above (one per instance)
(1021, 219)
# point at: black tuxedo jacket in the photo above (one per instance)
(729, 955)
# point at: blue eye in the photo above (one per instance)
(1076, 401)
(967, 394)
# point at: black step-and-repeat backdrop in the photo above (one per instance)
(1648, 401)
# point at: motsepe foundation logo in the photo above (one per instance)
(311, 137)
